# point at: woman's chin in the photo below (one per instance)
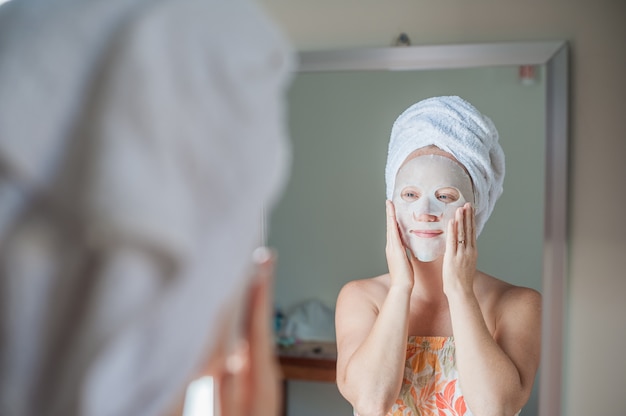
(426, 257)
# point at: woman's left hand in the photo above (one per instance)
(459, 260)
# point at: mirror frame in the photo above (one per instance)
(554, 55)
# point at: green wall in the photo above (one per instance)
(329, 227)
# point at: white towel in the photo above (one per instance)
(139, 142)
(455, 126)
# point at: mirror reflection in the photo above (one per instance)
(329, 228)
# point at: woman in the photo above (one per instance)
(435, 335)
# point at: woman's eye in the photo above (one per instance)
(447, 195)
(410, 195)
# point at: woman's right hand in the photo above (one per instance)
(400, 269)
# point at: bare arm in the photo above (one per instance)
(371, 341)
(496, 372)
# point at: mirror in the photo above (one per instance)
(329, 226)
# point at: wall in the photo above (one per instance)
(329, 226)
(595, 372)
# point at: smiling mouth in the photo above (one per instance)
(426, 233)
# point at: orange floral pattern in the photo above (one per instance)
(430, 384)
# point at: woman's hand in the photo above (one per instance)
(257, 381)
(247, 373)
(399, 265)
(459, 260)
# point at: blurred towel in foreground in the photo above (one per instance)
(139, 143)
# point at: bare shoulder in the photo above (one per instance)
(358, 305)
(503, 295)
(519, 296)
(518, 304)
(506, 303)
(372, 290)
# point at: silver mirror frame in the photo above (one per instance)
(554, 55)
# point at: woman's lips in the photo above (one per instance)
(426, 233)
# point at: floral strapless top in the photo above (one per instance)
(430, 386)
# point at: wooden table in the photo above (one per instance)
(307, 361)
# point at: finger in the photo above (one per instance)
(263, 365)
(467, 218)
(393, 234)
(392, 227)
(460, 226)
(451, 237)
(388, 218)
(264, 260)
(473, 225)
(261, 300)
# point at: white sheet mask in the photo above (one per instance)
(428, 190)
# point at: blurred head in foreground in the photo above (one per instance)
(140, 142)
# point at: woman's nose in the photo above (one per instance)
(425, 217)
(424, 211)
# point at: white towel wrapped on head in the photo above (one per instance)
(455, 126)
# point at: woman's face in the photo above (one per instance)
(428, 190)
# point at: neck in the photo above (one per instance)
(428, 279)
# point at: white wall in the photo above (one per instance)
(595, 373)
